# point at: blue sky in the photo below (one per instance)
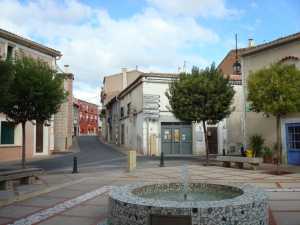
(98, 37)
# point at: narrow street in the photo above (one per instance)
(92, 153)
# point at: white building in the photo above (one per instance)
(139, 118)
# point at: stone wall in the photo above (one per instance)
(63, 120)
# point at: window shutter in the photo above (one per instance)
(7, 133)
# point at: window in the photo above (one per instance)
(128, 109)
(10, 51)
(122, 112)
(7, 133)
(294, 137)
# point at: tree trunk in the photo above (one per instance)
(278, 138)
(23, 145)
(206, 141)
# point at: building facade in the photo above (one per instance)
(63, 119)
(40, 139)
(283, 50)
(234, 135)
(75, 117)
(139, 118)
(88, 118)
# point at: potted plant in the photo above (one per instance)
(268, 155)
(256, 144)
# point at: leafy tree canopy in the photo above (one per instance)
(33, 90)
(275, 90)
(202, 95)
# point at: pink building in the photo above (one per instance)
(40, 139)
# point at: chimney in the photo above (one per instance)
(124, 77)
(250, 42)
(66, 69)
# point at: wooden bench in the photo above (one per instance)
(239, 161)
(24, 176)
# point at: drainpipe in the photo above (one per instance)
(244, 105)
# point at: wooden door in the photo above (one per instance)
(39, 138)
(212, 136)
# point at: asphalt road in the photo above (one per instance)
(92, 153)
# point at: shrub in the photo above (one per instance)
(257, 143)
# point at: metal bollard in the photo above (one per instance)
(75, 166)
(162, 160)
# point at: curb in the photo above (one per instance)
(40, 192)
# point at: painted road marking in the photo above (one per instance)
(59, 208)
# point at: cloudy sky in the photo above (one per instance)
(98, 37)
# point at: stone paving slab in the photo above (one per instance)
(284, 196)
(64, 193)
(17, 211)
(285, 205)
(4, 221)
(87, 211)
(70, 220)
(92, 210)
(100, 200)
(41, 201)
(287, 218)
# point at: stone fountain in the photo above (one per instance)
(187, 204)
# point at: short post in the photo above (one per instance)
(75, 166)
(162, 160)
(131, 160)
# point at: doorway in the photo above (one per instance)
(212, 139)
(39, 137)
(176, 138)
(293, 143)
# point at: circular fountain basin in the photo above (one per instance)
(206, 204)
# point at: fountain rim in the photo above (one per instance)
(125, 194)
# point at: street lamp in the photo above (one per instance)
(236, 66)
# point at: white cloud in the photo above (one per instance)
(94, 44)
(203, 8)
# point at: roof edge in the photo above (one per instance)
(29, 43)
(272, 44)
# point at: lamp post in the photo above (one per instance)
(236, 65)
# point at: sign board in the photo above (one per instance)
(151, 106)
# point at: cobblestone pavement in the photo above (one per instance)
(85, 202)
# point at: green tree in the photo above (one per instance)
(275, 91)
(34, 92)
(201, 96)
(6, 77)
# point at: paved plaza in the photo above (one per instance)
(82, 198)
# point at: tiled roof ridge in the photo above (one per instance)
(272, 43)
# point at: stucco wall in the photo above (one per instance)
(257, 123)
(13, 152)
(234, 135)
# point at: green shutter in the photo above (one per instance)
(7, 133)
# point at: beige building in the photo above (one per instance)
(112, 86)
(40, 139)
(284, 50)
(63, 120)
(139, 118)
